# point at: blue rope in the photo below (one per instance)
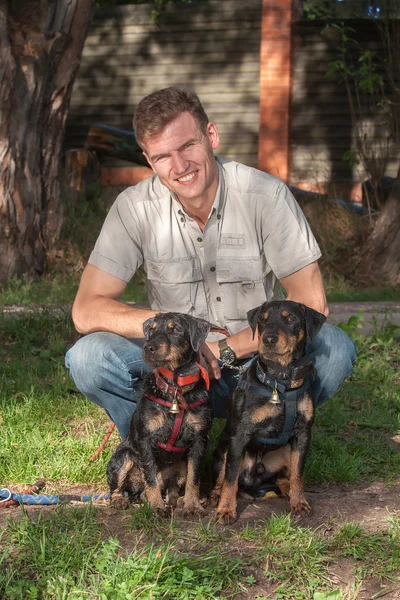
(6, 495)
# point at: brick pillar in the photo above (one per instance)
(275, 76)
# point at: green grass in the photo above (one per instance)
(65, 555)
(299, 561)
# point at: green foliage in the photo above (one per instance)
(355, 62)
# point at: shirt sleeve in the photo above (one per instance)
(118, 248)
(289, 243)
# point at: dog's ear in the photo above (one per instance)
(198, 331)
(252, 317)
(146, 327)
(314, 321)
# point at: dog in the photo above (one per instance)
(169, 430)
(268, 430)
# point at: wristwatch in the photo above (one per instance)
(226, 353)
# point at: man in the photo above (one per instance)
(216, 239)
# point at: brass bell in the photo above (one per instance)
(174, 407)
(275, 397)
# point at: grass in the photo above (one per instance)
(65, 556)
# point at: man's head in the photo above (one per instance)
(155, 111)
(179, 143)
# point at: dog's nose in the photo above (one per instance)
(270, 340)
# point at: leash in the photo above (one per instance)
(8, 498)
(104, 441)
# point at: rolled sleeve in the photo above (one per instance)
(117, 249)
(289, 244)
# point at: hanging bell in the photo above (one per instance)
(275, 397)
(174, 407)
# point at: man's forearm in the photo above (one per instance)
(107, 314)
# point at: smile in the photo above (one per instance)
(187, 178)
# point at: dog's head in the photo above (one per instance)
(173, 339)
(284, 328)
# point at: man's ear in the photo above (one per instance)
(146, 327)
(314, 321)
(213, 135)
(252, 317)
(198, 331)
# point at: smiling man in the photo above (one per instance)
(216, 238)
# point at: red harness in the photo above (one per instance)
(176, 392)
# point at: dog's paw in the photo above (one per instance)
(119, 501)
(300, 509)
(225, 516)
(192, 507)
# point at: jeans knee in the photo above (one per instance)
(101, 358)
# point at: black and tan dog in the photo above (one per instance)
(169, 429)
(268, 432)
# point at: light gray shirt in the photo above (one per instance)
(255, 235)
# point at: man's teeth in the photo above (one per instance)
(187, 177)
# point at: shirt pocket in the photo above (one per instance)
(176, 285)
(243, 284)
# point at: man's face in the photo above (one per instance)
(182, 156)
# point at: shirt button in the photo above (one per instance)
(212, 269)
(199, 239)
(218, 216)
(182, 219)
(218, 298)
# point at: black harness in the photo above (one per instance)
(287, 396)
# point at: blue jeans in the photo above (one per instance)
(108, 369)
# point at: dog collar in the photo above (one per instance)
(185, 376)
(297, 370)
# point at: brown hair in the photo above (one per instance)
(157, 110)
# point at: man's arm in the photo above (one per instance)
(303, 286)
(97, 306)
(306, 286)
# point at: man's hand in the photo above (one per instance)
(209, 360)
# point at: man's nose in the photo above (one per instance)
(179, 163)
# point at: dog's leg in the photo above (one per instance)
(300, 444)
(152, 483)
(226, 511)
(119, 472)
(191, 500)
(220, 468)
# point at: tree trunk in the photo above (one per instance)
(383, 246)
(41, 42)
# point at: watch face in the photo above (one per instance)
(228, 356)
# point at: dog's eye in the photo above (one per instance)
(176, 330)
(289, 319)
